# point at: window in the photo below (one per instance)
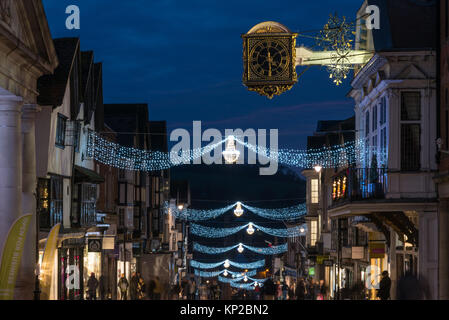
(375, 118)
(383, 146)
(411, 106)
(86, 198)
(383, 111)
(60, 130)
(410, 147)
(314, 193)
(366, 123)
(121, 217)
(56, 200)
(76, 142)
(313, 232)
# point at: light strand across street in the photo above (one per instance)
(209, 232)
(227, 263)
(213, 274)
(273, 250)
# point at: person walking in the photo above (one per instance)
(301, 290)
(102, 287)
(141, 289)
(133, 286)
(284, 291)
(123, 287)
(92, 285)
(192, 289)
(384, 287)
(269, 289)
(322, 291)
(157, 289)
(409, 288)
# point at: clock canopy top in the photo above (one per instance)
(269, 27)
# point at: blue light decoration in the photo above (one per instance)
(250, 265)
(188, 214)
(235, 280)
(245, 286)
(289, 213)
(213, 274)
(208, 232)
(115, 155)
(273, 250)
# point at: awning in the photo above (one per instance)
(87, 175)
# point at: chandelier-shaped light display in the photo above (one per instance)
(250, 229)
(213, 274)
(238, 211)
(273, 250)
(208, 232)
(231, 154)
(240, 248)
(250, 265)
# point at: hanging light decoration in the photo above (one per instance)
(225, 273)
(240, 249)
(227, 264)
(230, 154)
(238, 210)
(245, 278)
(250, 229)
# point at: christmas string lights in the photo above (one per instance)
(128, 158)
(213, 274)
(209, 232)
(289, 213)
(273, 250)
(246, 286)
(250, 265)
(196, 214)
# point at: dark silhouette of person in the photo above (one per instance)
(384, 287)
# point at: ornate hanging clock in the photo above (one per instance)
(269, 59)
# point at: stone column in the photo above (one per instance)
(25, 279)
(10, 163)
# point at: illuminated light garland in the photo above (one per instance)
(209, 232)
(289, 213)
(213, 274)
(245, 286)
(115, 155)
(250, 265)
(197, 215)
(266, 251)
(188, 214)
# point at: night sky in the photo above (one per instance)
(184, 58)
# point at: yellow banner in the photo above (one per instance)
(12, 254)
(48, 261)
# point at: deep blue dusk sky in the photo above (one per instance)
(184, 58)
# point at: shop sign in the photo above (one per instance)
(108, 243)
(320, 259)
(328, 263)
(94, 245)
(358, 253)
(376, 250)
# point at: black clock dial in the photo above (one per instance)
(269, 58)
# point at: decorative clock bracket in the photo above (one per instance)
(270, 56)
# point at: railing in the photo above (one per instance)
(359, 184)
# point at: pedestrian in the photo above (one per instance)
(157, 289)
(321, 291)
(301, 290)
(269, 288)
(133, 286)
(141, 289)
(409, 288)
(151, 287)
(384, 287)
(92, 285)
(291, 291)
(192, 289)
(123, 287)
(102, 287)
(311, 290)
(257, 292)
(284, 291)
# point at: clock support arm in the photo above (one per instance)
(307, 57)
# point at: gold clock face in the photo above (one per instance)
(269, 58)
